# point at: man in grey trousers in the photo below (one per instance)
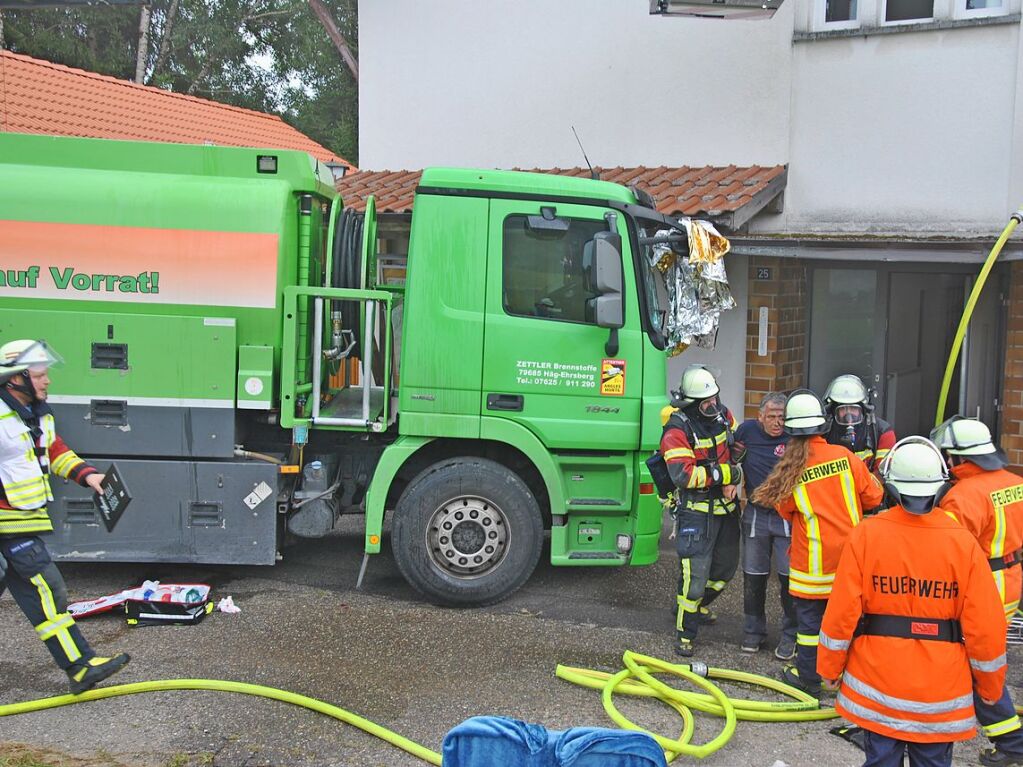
(759, 443)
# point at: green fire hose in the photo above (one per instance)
(224, 686)
(636, 679)
(953, 356)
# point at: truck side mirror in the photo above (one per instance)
(603, 255)
(609, 311)
(606, 278)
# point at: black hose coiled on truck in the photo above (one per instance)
(345, 270)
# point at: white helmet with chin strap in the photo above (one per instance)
(972, 440)
(18, 359)
(915, 475)
(698, 384)
(850, 391)
(804, 414)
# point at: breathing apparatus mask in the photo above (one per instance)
(698, 392)
(848, 416)
(846, 401)
(709, 408)
(915, 475)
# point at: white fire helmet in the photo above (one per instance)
(846, 398)
(699, 384)
(26, 354)
(914, 474)
(971, 439)
(804, 414)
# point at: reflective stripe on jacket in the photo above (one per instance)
(688, 455)
(25, 476)
(990, 505)
(915, 566)
(825, 506)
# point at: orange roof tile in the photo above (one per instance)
(40, 97)
(733, 194)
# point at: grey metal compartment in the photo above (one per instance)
(209, 512)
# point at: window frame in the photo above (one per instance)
(820, 14)
(960, 11)
(883, 13)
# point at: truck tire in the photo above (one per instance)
(467, 532)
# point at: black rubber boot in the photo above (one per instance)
(684, 647)
(790, 675)
(993, 757)
(88, 673)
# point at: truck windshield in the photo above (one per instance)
(656, 292)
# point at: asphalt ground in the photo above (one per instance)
(385, 654)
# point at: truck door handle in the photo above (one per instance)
(511, 402)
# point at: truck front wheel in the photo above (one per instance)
(467, 532)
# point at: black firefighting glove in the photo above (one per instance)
(721, 474)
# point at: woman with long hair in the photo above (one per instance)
(821, 489)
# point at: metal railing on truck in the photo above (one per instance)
(362, 406)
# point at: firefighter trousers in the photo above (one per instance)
(809, 616)
(37, 586)
(708, 551)
(883, 751)
(999, 723)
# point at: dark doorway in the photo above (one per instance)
(893, 325)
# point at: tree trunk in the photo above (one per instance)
(165, 40)
(143, 52)
(204, 70)
(327, 20)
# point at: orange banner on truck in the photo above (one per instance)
(87, 262)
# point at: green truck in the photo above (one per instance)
(232, 342)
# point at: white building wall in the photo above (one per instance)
(904, 131)
(501, 83)
(908, 132)
(727, 357)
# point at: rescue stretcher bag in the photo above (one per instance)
(658, 469)
(182, 603)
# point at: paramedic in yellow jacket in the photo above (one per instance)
(30, 451)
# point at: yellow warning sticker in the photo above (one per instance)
(612, 377)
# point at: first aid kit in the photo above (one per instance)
(153, 604)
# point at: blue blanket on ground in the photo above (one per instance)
(496, 741)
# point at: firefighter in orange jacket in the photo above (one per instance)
(696, 445)
(30, 451)
(914, 623)
(988, 501)
(822, 490)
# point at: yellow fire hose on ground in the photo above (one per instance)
(957, 343)
(636, 679)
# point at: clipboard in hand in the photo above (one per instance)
(112, 499)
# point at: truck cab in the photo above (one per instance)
(531, 333)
